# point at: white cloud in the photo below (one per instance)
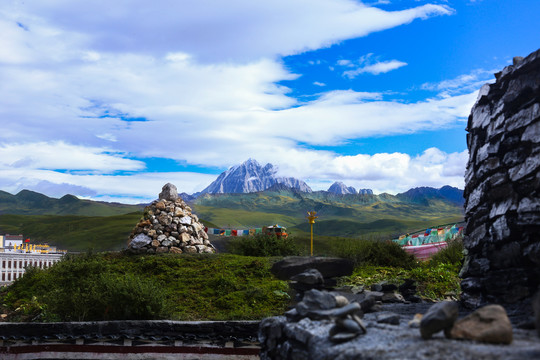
(62, 156)
(461, 84)
(213, 31)
(391, 173)
(133, 188)
(201, 80)
(384, 172)
(317, 83)
(369, 64)
(375, 69)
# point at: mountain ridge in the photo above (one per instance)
(27, 202)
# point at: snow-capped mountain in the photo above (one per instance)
(250, 176)
(341, 189)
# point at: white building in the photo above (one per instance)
(16, 256)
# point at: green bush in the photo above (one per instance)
(263, 245)
(373, 252)
(84, 287)
(116, 286)
(452, 254)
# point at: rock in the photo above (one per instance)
(310, 277)
(328, 267)
(440, 316)
(536, 309)
(415, 322)
(387, 317)
(190, 249)
(316, 300)
(185, 220)
(176, 250)
(168, 192)
(140, 241)
(160, 205)
(162, 249)
(343, 336)
(392, 298)
(488, 324)
(161, 237)
(389, 287)
(341, 300)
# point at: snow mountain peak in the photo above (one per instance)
(250, 176)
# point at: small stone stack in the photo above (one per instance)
(169, 226)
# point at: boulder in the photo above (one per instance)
(440, 316)
(140, 241)
(488, 324)
(328, 267)
(168, 192)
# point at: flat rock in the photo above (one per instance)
(310, 277)
(386, 317)
(140, 241)
(488, 324)
(328, 267)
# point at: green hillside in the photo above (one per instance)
(79, 225)
(73, 233)
(339, 215)
(29, 202)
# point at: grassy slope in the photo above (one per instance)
(100, 228)
(352, 215)
(73, 233)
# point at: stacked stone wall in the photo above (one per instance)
(502, 208)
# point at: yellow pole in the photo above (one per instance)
(311, 217)
(311, 239)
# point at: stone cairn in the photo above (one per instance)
(502, 189)
(168, 225)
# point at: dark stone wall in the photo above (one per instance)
(502, 208)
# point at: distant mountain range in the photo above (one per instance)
(341, 189)
(28, 202)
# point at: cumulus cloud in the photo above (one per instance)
(392, 173)
(88, 86)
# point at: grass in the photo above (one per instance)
(118, 286)
(436, 279)
(73, 233)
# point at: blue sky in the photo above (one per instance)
(111, 100)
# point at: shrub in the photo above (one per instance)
(452, 254)
(115, 286)
(373, 252)
(263, 245)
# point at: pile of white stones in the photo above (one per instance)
(168, 225)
